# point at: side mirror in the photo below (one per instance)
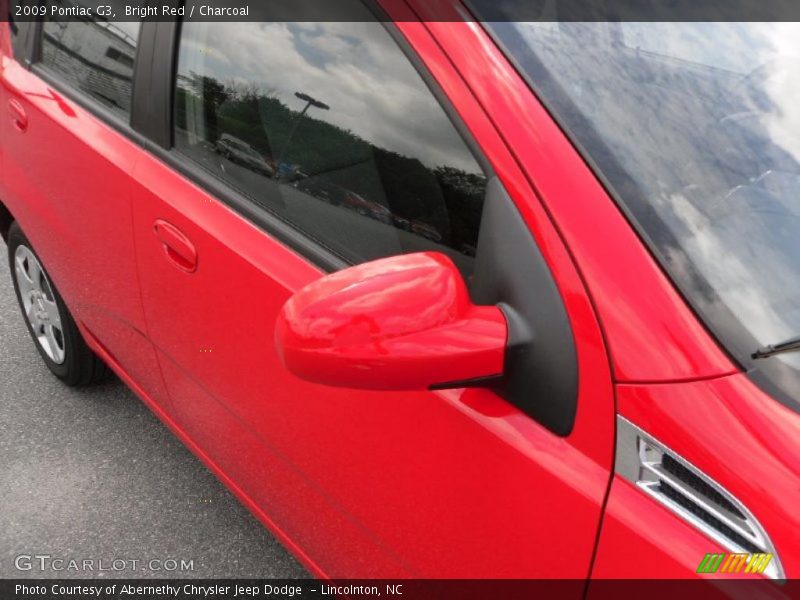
(399, 323)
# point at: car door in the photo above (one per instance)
(13, 36)
(359, 154)
(70, 152)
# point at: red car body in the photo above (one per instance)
(452, 483)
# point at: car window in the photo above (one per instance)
(97, 57)
(330, 127)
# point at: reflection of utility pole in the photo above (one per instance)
(309, 103)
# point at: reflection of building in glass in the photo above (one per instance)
(98, 55)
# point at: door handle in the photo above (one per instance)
(18, 115)
(177, 247)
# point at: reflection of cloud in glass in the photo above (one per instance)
(371, 88)
(129, 28)
(697, 126)
(782, 85)
(731, 274)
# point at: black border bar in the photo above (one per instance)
(347, 10)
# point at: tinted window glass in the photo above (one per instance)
(96, 57)
(330, 127)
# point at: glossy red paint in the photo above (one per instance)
(181, 295)
(734, 433)
(383, 473)
(19, 118)
(176, 246)
(399, 323)
(6, 52)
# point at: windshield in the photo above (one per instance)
(695, 127)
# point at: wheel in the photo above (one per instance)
(49, 322)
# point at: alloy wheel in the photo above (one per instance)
(39, 304)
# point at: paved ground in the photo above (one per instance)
(92, 474)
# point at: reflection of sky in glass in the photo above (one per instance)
(129, 28)
(703, 121)
(370, 86)
(722, 45)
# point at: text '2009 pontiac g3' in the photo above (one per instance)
(434, 292)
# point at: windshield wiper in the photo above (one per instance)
(787, 346)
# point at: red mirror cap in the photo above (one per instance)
(400, 323)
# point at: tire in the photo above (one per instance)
(51, 326)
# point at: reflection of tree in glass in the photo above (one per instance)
(442, 203)
(212, 94)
